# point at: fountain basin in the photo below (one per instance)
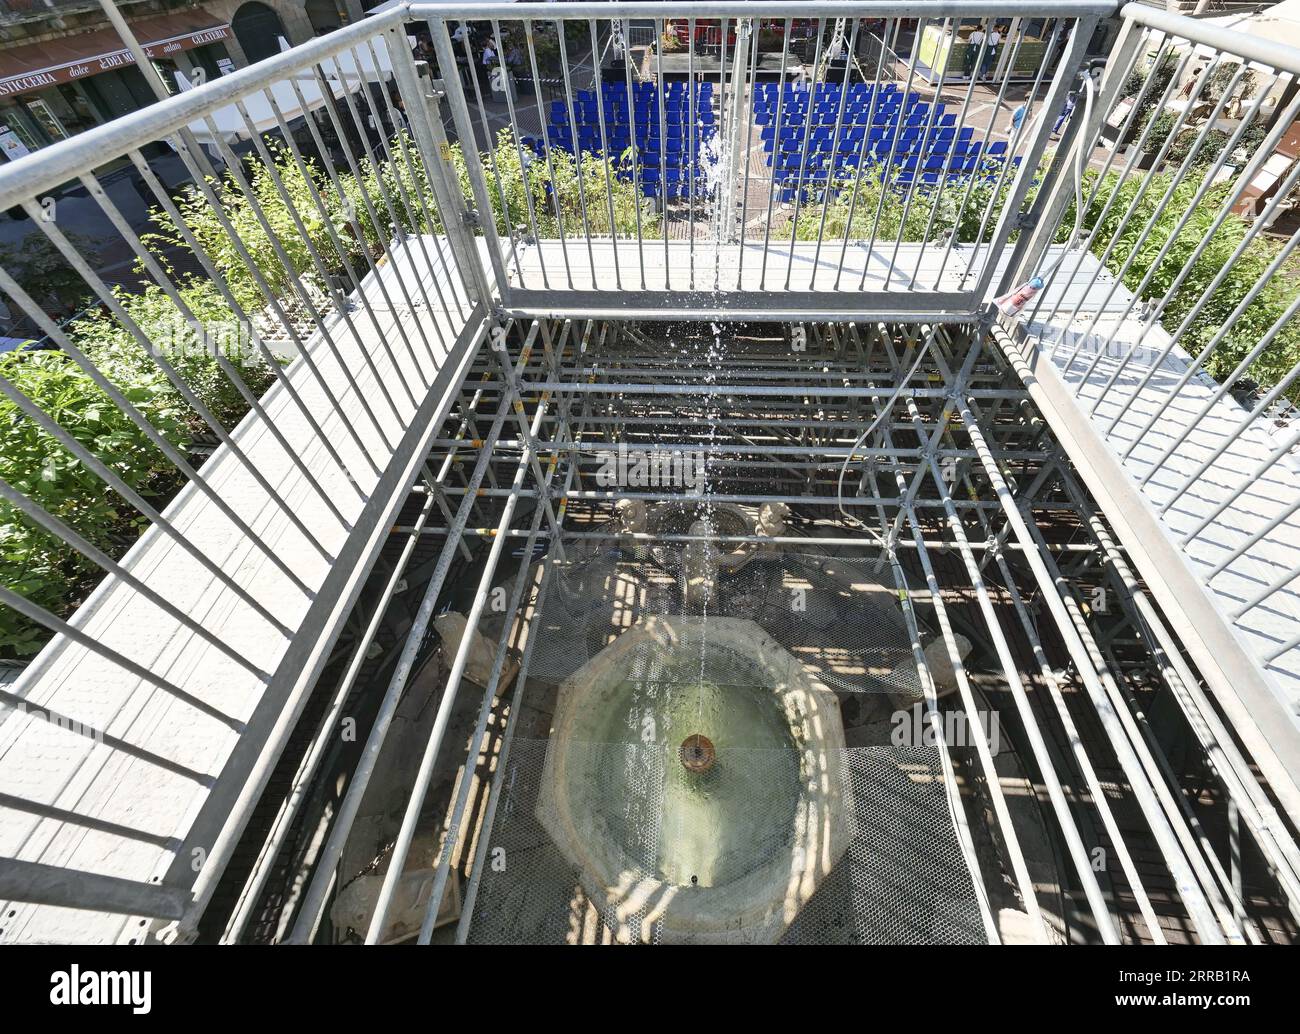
(693, 778)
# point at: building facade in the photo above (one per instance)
(63, 68)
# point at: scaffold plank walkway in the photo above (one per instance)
(137, 784)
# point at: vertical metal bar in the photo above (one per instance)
(313, 901)
(419, 789)
(692, 170)
(1060, 81)
(205, 260)
(404, 71)
(415, 88)
(1208, 180)
(1175, 182)
(546, 149)
(895, 133)
(985, 27)
(92, 463)
(747, 119)
(947, 169)
(803, 158)
(525, 180)
(1071, 61)
(849, 60)
(58, 626)
(323, 273)
(636, 156)
(406, 215)
(1080, 134)
(598, 83)
(1110, 91)
(55, 333)
(1193, 897)
(927, 139)
(662, 25)
(304, 296)
(1134, 152)
(414, 212)
(469, 149)
(490, 142)
(579, 168)
(776, 151)
(151, 265)
(864, 166)
(51, 524)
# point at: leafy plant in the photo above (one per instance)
(1116, 239)
(38, 565)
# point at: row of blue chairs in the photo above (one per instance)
(795, 136)
(884, 117)
(884, 142)
(958, 152)
(663, 154)
(650, 118)
(948, 161)
(905, 179)
(826, 88)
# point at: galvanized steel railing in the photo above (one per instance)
(1176, 334)
(308, 319)
(850, 187)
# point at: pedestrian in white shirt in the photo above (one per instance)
(973, 41)
(990, 53)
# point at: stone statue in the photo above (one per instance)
(772, 519)
(699, 566)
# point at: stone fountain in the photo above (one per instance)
(693, 779)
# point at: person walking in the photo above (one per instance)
(973, 43)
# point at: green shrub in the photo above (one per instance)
(1243, 332)
(956, 205)
(119, 355)
(38, 565)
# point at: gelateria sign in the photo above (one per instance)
(77, 57)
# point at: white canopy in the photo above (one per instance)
(1278, 24)
(357, 63)
(230, 124)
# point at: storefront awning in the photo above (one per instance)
(37, 66)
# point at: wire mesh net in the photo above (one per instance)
(900, 880)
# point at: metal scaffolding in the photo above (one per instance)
(467, 361)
